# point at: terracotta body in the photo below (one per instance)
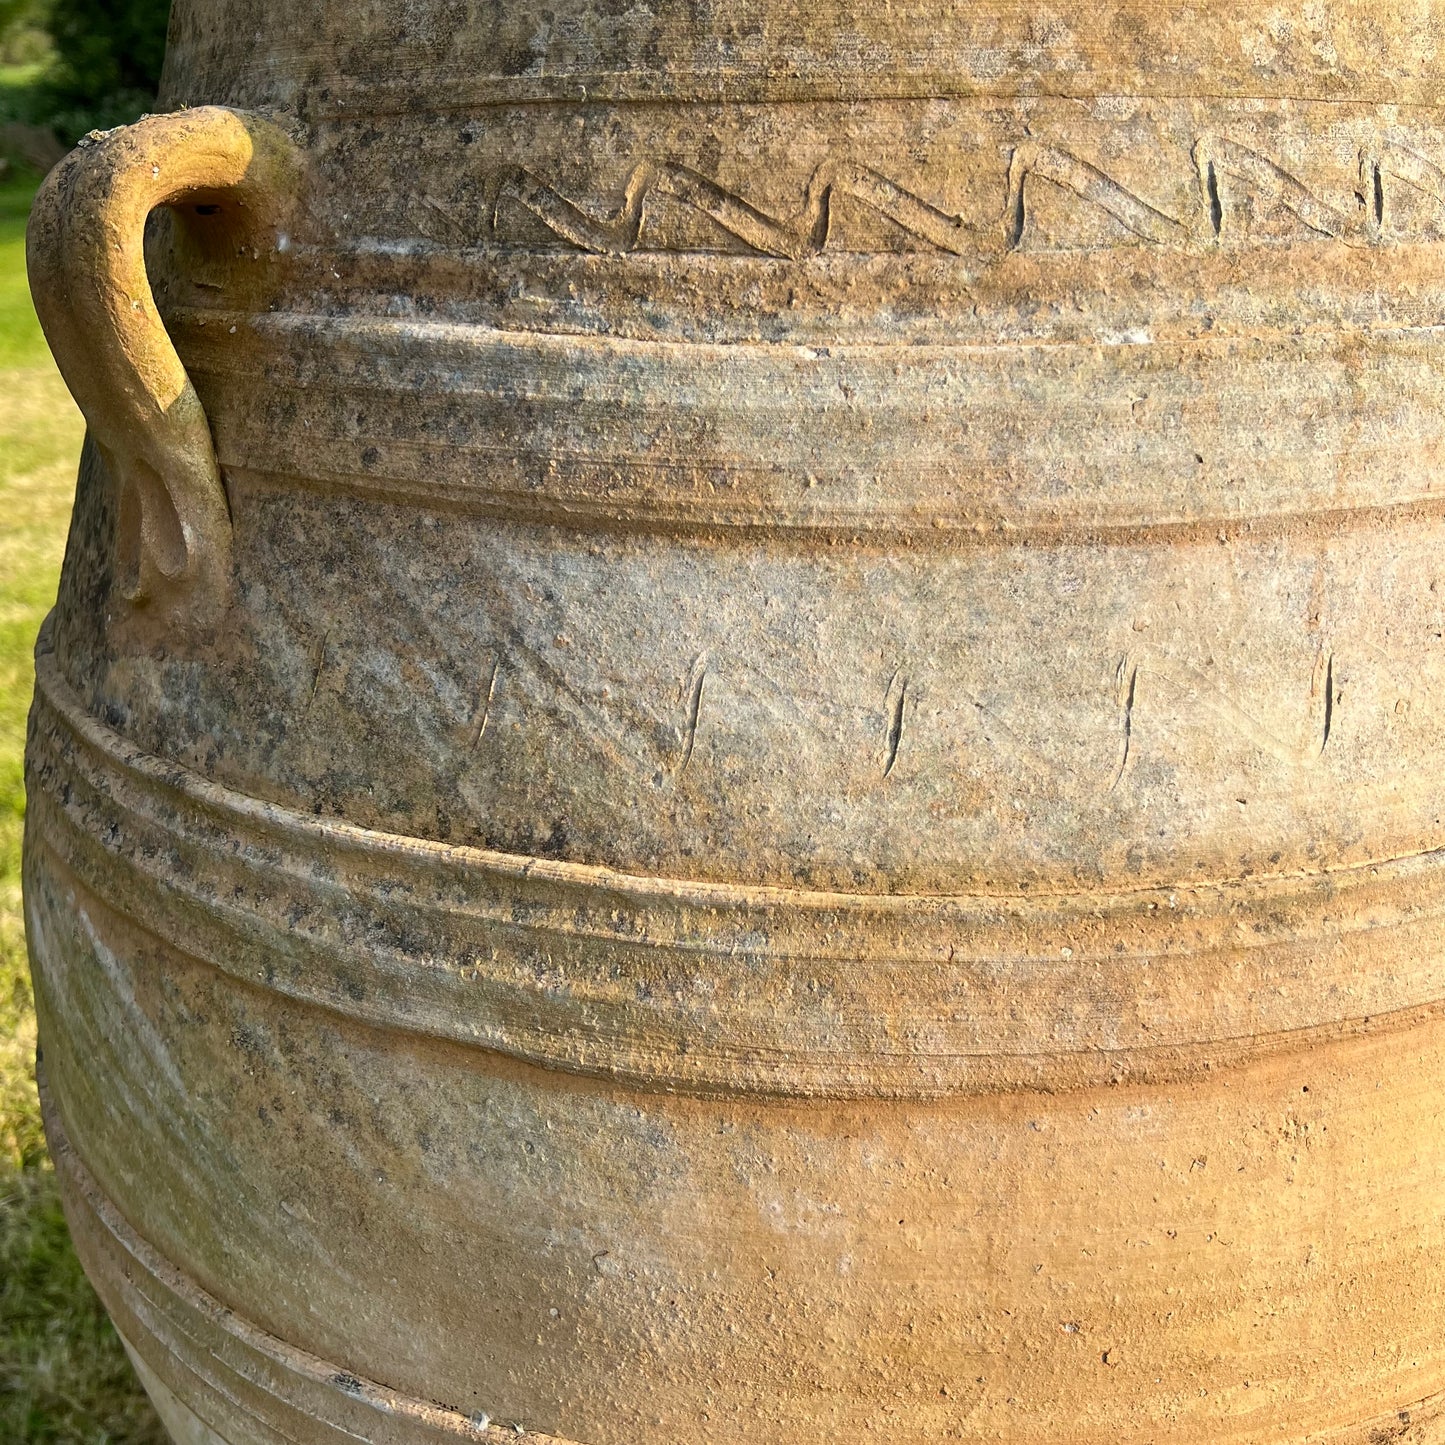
(781, 781)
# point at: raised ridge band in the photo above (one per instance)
(719, 988)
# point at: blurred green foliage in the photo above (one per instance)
(91, 64)
(107, 60)
(107, 47)
(23, 38)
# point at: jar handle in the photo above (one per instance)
(86, 257)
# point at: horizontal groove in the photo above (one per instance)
(536, 443)
(380, 332)
(859, 528)
(452, 94)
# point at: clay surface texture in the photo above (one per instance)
(743, 736)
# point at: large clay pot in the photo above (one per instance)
(745, 744)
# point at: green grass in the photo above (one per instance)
(63, 1374)
(64, 1379)
(22, 347)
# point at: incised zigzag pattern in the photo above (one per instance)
(1222, 165)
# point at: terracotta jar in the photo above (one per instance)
(742, 740)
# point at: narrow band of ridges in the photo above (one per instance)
(721, 988)
(226, 1370)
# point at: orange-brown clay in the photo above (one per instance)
(742, 740)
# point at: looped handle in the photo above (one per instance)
(86, 256)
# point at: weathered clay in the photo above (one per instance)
(758, 756)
